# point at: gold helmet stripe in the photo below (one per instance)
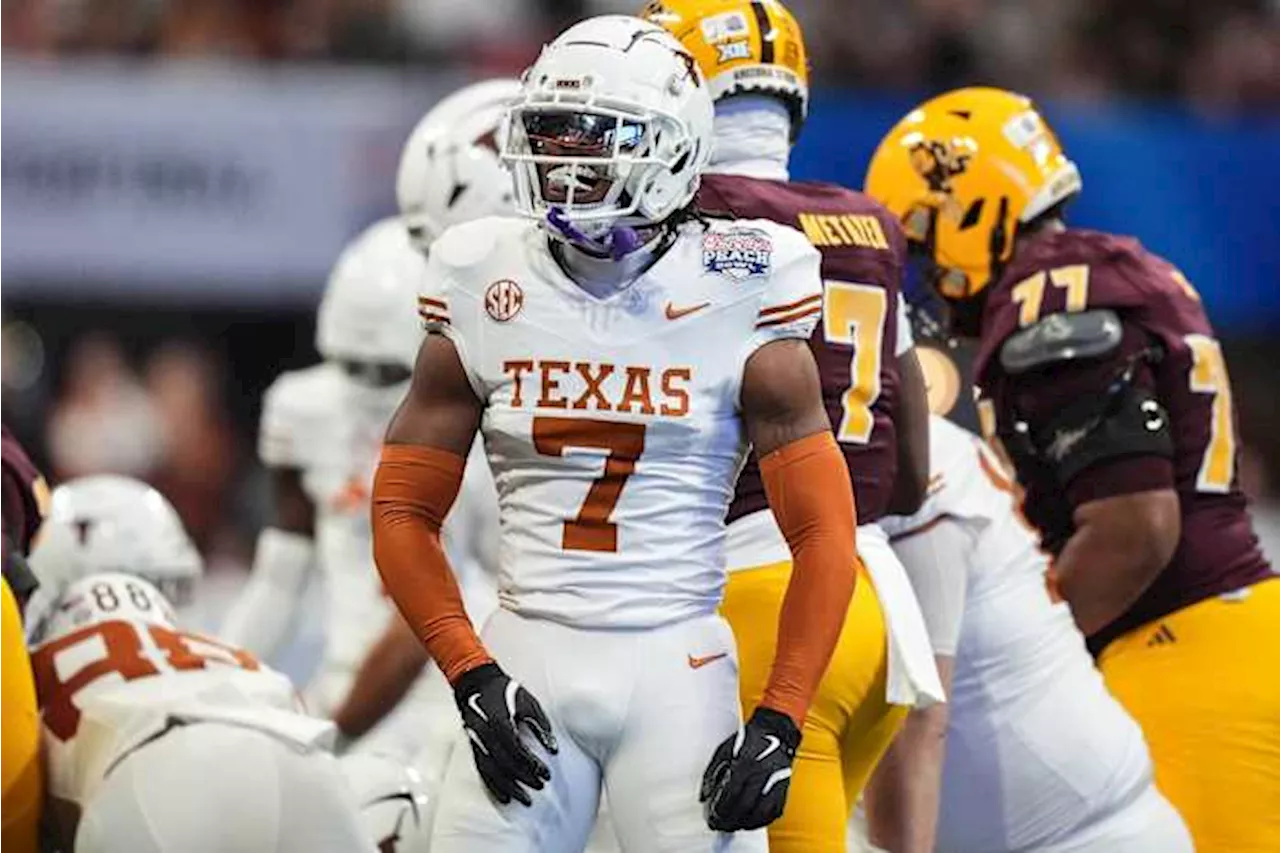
(766, 27)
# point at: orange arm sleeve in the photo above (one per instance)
(412, 492)
(809, 490)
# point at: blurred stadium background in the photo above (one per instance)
(178, 176)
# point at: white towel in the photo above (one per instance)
(755, 540)
(913, 677)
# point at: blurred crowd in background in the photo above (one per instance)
(1220, 56)
(169, 389)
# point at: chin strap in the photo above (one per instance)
(620, 241)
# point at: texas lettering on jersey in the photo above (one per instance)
(599, 387)
(612, 423)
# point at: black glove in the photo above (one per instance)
(493, 705)
(746, 783)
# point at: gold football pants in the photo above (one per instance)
(849, 726)
(20, 727)
(1204, 684)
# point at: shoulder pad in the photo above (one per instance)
(471, 243)
(789, 242)
(1061, 337)
(308, 389)
(294, 406)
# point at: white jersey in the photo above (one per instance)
(1036, 745)
(109, 685)
(612, 424)
(319, 422)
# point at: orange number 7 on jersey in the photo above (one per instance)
(592, 530)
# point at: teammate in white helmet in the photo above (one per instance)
(449, 173)
(321, 431)
(396, 808)
(618, 354)
(449, 168)
(1039, 757)
(157, 739)
(110, 523)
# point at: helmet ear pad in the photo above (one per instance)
(668, 191)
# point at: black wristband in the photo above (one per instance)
(474, 678)
(779, 725)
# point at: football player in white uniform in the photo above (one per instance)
(1038, 755)
(110, 523)
(449, 169)
(321, 431)
(617, 354)
(449, 173)
(157, 739)
(395, 806)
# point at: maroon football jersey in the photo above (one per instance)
(863, 256)
(1077, 270)
(21, 480)
(22, 487)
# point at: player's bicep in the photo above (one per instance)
(440, 410)
(782, 395)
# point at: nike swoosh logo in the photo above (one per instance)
(699, 663)
(773, 746)
(674, 313)
(774, 778)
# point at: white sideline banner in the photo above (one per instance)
(226, 180)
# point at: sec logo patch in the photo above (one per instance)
(503, 300)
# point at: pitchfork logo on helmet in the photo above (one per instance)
(964, 171)
(938, 162)
(612, 128)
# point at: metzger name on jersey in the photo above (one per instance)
(600, 387)
(739, 253)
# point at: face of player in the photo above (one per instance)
(375, 374)
(574, 137)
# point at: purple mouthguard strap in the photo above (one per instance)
(621, 240)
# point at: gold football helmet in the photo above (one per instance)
(742, 46)
(963, 171)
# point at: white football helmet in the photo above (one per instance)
(368, 318)
(449, 169)
(109, 523)
(97, 598)
(613, 127)
(395, 809)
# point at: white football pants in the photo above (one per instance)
(217, 788)
(1149, 824)
(637, 712)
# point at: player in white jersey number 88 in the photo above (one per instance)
(617, 354)
(158, 739)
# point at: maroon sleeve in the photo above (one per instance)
(1040, 395)
(21, 506)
